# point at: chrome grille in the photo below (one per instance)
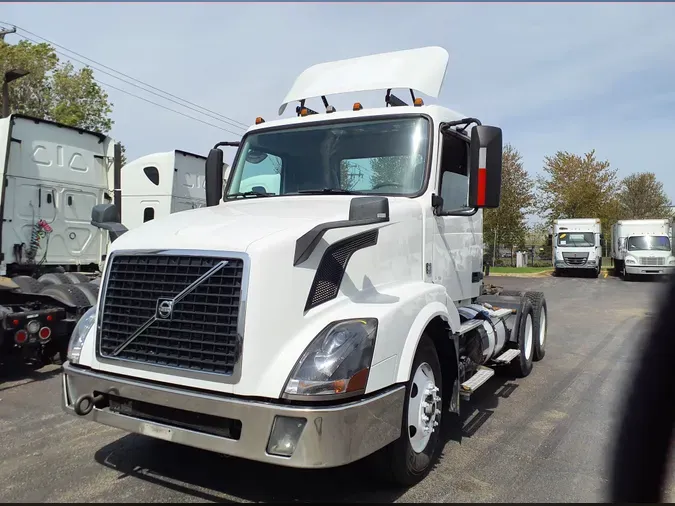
(575, 258)
(201, 333)
(652, 261)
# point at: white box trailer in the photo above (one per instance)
(643, 247)
(53, 176)
(160, 184)
(577, 245)
(313, 319)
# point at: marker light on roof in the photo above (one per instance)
(357, 106)
(418, 102)
(259, 120)
(304, 111)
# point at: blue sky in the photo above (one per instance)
(569, 77)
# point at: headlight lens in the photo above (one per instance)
(336, 362)
(630, 260)
(82, 328)
(671, 261)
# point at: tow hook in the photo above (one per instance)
(85, 403)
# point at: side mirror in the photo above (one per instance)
(214, 177)
(485, 183)
(107, 217)
(602, 241)
(550, 239)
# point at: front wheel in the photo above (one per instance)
(409, 459)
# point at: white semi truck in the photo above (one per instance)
(642, 247)
(577, 246)
(328, 305)
(53, 175)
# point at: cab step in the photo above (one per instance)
(474, 382)
(507, 356)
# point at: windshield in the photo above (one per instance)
(576, 239)
(646, 242)
(385, 156)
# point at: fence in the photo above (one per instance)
(536, 255)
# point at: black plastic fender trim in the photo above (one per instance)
(362, 211)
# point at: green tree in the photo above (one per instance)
(54, 90)
(506, 224)
(642, 197)
(124, 154)
(576, 186)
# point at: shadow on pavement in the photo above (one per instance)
(213, 477)
(15, 373)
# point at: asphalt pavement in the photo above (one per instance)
(544, 438)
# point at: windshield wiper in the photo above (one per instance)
(248, 194)
(334, 191)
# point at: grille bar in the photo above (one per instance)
(652, 261)
(202, 330)
(575, 258)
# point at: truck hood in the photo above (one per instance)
(278, 326)
(236, 225)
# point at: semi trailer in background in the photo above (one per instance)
(50, 253)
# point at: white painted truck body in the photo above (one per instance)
(54, 173)
(643, 247)
(264, 273)
(159, 184)
(577, 245)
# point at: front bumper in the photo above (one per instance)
(649, 270)
(561, 264)
(332, 436)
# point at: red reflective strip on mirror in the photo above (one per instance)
(482, 186)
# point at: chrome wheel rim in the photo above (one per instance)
(424, 407)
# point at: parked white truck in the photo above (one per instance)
(577, 246)
(53, 175)
(642, 247)
(329, 312)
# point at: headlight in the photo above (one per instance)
(671, 261)
(630, 260)
(82, 328)
(336, 362)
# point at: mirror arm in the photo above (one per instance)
(472, 212)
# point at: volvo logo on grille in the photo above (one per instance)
(164, 309)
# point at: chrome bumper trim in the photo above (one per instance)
(333, 435)
(649, 269)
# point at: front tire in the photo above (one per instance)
(409, 459)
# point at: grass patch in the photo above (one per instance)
(519, 270)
